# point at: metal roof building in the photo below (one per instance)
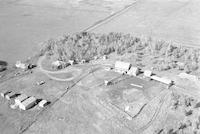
(122, 66)
(20, 98)
(28, 103)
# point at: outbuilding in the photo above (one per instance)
(105, 57)
(3, 94)
(28, 103)
(162, 80)
(134, 71)
(21, 65)
(148, 73)
(10, 95)
(122, 67)
(20, 99)
(43, 103)
(107, 83)
(71, 62)
(180, 65)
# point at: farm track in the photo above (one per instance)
(109, 18)
(155, 115)
(55, 101)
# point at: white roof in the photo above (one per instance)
(26, 104)
(122, 65)
(148, 73)
(20, 98)
(162, 79)
(19, 64)
(133, 71)
(42, 103)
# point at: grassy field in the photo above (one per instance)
(176, 21)
(24, 24)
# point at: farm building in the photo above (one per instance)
(3, 94)
(10, 95)
(21, 65)
(180, 65)
(148, 73)
(134, 71)
(43, 103)
(84, 61)
(28, 103)
(122, 67)
(107, 83)
(71, 62)
(20, 98)
(105, 57)
(162, 80)
(59, 64)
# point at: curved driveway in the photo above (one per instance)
(75, 71)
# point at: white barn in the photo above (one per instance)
(122, 67)
(134, 71)
(28, 103)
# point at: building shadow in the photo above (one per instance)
(3, 65)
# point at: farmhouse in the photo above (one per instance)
(122, 67)
(134, 71)
(28, 103)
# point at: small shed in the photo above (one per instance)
(122, 66)
(3, 94)
(10, 95)
(107, 83)
(84, 61)
(57, 64)
(43, 103)
(21, 65)
(148, 73)
(28, 103)
(105, 57)
(20, 98)
(134, 71)
(71, 62)
(188, 76)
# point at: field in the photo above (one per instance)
(173, 20)
(24, 24)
